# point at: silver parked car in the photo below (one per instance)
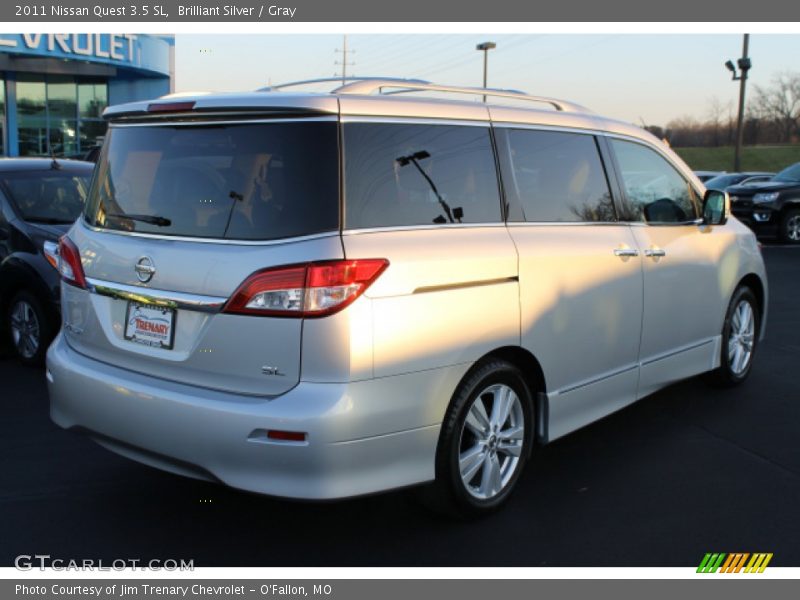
(325, 295)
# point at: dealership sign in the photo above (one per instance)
(122, 49)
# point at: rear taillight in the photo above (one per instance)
(69, 263)
(312, 290)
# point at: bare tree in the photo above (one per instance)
(720, 122)
(685, 131)
(780, 104)
(715, 120)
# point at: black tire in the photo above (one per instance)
(790, 226)
(29, 340)
(449, 494)
(727, 375)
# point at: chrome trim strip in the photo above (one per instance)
(400, 120)
(464, 284)
(583, 384)
(241, 121)
(421, 228)
(567, 223)
(179, 238)
(670, 353)
(557, 128)
(676, 224)
(176, 300)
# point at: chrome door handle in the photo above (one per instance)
(626, 252)
(655, 252)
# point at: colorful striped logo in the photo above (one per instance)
(735, 562)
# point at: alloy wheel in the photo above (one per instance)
(25, 329)
(740, 340)
(793, 228)
(492, 439)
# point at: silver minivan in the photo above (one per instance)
(322, 295)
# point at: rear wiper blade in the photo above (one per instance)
(149, 219)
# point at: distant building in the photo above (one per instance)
(54, 87)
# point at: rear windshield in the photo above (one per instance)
(253, 181)
(48, 196)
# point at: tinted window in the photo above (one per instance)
(256, 181)
(48, 196)
(789, 174)
(399, 175)
(720, 182)
(655, 191)
(553, 176)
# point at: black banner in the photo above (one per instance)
(174, 11)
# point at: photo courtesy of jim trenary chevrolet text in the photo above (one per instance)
(344, 299)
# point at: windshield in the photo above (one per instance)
(791, 173)
(48, 196)
(249, 181)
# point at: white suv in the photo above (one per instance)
(326, 295)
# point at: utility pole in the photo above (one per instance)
(344, 62)
(744, 66)
(485, 47)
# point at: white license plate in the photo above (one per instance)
(150, 325)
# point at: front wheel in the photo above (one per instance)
(739, 338)
(790, 226)
(485, 441)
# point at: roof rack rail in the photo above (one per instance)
(370, 85)
(398, 80)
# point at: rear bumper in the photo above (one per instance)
(362, 437)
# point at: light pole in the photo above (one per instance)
(485, 46)
(744, 66)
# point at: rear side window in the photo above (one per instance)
(552, 176)
(404, 174)
(249, 181)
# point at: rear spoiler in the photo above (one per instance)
(225, 105)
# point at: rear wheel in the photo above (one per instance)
(739, 338)
(790, 226)
(485, 441)
(29, 328)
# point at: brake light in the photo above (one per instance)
(69, 263)
(312, 290)
(162, 107)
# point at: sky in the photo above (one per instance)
(645, 79)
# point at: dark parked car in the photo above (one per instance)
(726, 180)
(706, 175)
(771, 208)
(39, 199)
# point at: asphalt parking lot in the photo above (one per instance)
(687, 471)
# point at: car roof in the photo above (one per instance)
(42, 164)
(366, 97)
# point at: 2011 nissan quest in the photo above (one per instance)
(325, 295)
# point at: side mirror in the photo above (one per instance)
(716, 207)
